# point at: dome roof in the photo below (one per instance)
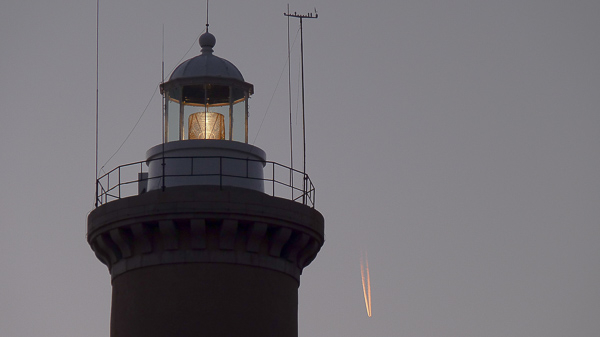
(207, 64)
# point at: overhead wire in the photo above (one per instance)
(274, 91)
(187, 52)
(140, 118)
(132, 129)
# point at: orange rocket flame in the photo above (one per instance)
(364, 269)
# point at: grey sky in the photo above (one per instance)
(455, 141)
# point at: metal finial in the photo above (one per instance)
(207, 40)
(207, 15)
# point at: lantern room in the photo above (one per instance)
(206, 97)
(205, 127)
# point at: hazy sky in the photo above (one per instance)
(456, 142)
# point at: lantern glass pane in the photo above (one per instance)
(172, 120)
(239, 121)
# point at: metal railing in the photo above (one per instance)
(278, 180)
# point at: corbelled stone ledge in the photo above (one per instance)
(202, 224)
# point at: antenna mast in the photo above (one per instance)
(301, 17)
(290, 101)
(164, 108)
(97, 81)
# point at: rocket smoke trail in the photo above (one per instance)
(364, 269)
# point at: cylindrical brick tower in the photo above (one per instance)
(205, 237)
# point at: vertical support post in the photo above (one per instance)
(290, 103)
(165, 132)
(165, 117)
(303, 115)
(97, 91)
(246, 98)
(181, 114)
(230, 113)
(205, 110)
(119, 182)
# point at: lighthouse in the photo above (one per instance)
(205, 236)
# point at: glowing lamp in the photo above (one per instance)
(206, 125)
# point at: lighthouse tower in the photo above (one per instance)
(205, 237)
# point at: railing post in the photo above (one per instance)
(96, 198)
(163, 164)
(312, 194)
(291, 182)
(273, 177)
(221, 173)
(304, 190)
(119, 182)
